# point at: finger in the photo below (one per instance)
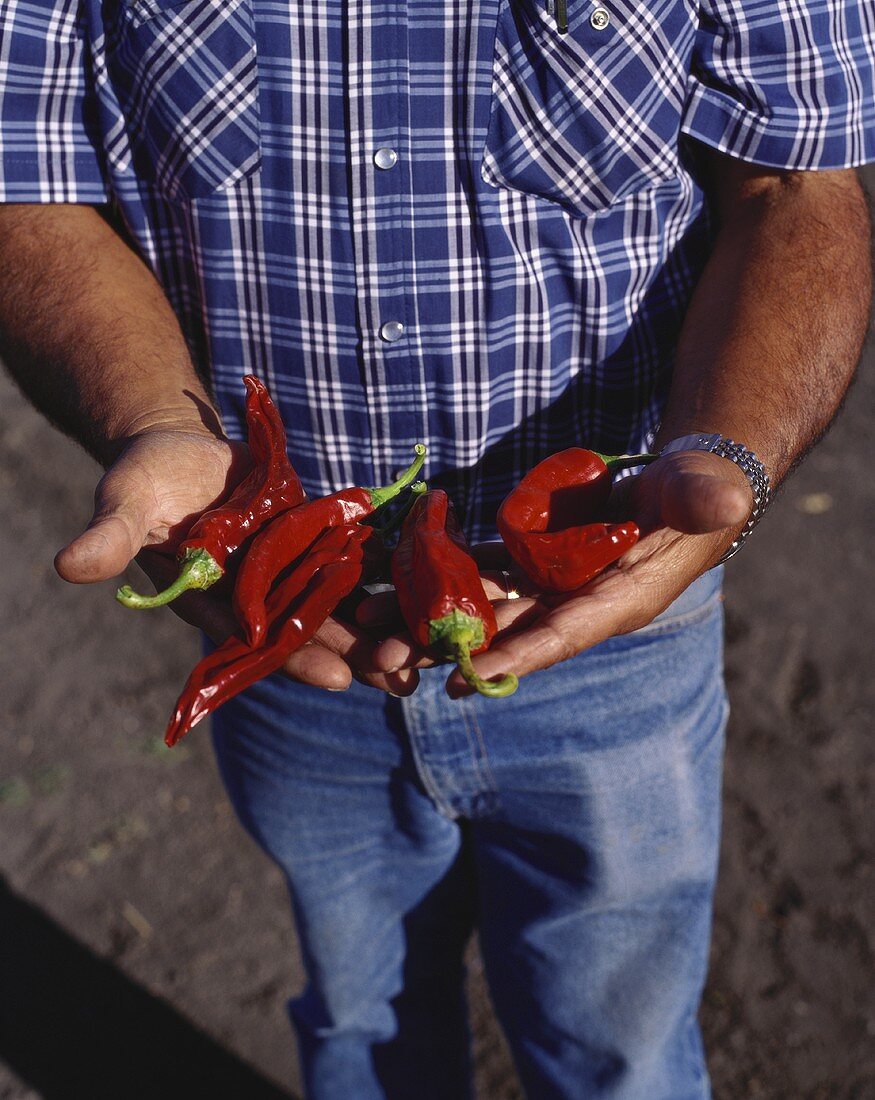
(697, 503)
(319, 667)
(404, 682)
(516, 614)
(399, 684)
(692, 492)
(400, 652)
(356, 649)
(575, 624)
(626, 597)
(313, 664)
(123, 515)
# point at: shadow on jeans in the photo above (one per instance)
(73, 1026)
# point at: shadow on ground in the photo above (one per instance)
(73, 1025)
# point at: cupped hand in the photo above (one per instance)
(149, 496)
(689, 505)
(143, 507)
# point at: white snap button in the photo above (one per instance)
(385, 158)
(600, 19)
(392, 330)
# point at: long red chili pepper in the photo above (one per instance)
(542, 521)
(440, 591)
(270, 488)
(288, 536)
(297, 608)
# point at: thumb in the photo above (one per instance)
(123, 517)
(696, 492)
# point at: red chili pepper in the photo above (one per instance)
(271, 487)
(540, 521)
(297, 608)
(440, 591)
(288, 536)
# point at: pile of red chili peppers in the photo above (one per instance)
(301, 558)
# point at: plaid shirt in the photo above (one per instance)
(441, 221)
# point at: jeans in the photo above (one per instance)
(575, 825)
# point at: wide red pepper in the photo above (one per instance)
(297, 607)
(271, 487)
(288, 536)
(543, 520)
(440, 592)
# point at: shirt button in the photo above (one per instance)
(392, 330)
(600, 19)
(385, 158)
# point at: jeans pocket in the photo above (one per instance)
(587, 117)
(186, 78)
(696, 603)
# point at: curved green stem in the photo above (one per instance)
(391, 525)
(623, 462)
(386, 492)
(454, 636)
(495, 689)
(198, 569)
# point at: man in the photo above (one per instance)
(502, 230)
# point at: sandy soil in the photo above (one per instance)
(145, 947)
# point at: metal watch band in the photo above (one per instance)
(746, 461)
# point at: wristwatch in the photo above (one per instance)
(746, 461)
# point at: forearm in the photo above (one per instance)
(87, 332)
(776, 325)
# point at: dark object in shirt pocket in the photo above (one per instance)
(590, 116)
(186, 77)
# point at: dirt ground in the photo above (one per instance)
(145, 946)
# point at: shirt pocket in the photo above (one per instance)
(186, 78)
(587, 117)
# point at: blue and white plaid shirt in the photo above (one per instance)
(436, 220)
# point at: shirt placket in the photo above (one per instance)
(378, 83)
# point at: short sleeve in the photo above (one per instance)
(49, 135)
(785, 83)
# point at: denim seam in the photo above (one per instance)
(719, 730)
(422, 769)
(490, 785)
(480, 779)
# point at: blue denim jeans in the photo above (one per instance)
(574, 825)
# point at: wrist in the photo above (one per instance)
(191, 417)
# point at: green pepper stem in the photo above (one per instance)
(494, 689)
(624, 462)
(386, 492)
(453, 636)
(199, 569)
(392, 525)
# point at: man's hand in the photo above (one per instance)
(145, 504)
(689, 505)
(151, 494)
(767, 350)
